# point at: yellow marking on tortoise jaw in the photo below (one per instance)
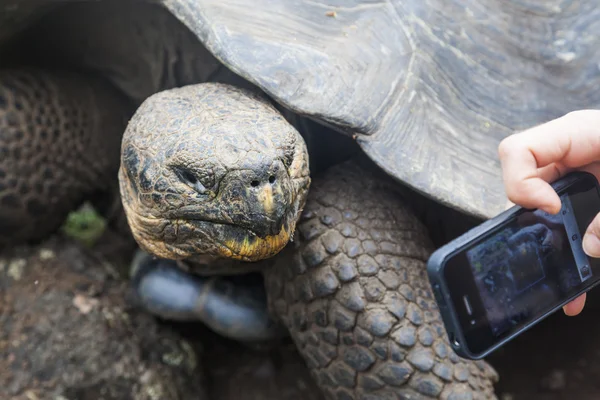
(255, 248)
(265, 196)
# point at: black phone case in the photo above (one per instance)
(435, 268)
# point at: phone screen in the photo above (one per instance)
(524, 269)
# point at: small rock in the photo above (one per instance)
(16, 268)
(84, 304)
(46, 254)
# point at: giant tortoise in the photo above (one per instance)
(226, 107)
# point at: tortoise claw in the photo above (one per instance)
(235, 307)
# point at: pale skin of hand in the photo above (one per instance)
(532, 158)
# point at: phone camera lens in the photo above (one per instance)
(585, 271)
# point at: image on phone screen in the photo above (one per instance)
(529, 266)
(523, 269)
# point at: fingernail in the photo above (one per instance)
(591, 244)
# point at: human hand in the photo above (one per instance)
(542, 154)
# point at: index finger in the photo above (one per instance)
(568, 142)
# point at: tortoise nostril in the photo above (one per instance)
(256, 182)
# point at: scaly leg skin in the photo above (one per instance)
(60, 136)
(354, 293)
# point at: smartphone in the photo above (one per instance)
(504, 276)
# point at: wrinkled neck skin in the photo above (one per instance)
(214, 176)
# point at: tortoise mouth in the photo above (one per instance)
(238, 242)
(254, 248)
(272, 229)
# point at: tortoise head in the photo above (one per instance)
(214, 171)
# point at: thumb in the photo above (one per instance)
(591, 238)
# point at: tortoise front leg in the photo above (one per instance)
(354, 293)
(233, 306)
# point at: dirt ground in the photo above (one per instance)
(558, 359)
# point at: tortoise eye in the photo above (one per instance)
(189, 178)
